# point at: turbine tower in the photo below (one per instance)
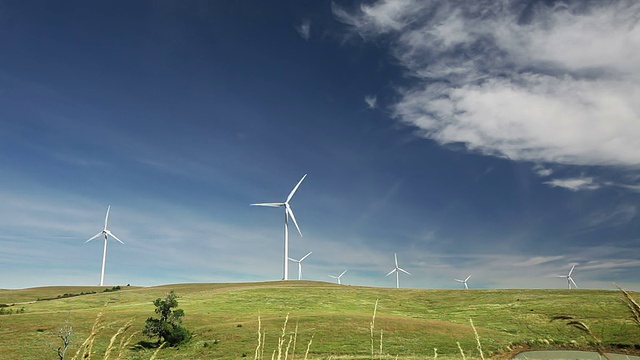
(397, 270)
(106, 234)
(300, 265)
(338, 277)
(569, 278)
(287, 212)
(464, 281)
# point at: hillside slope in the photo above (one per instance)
(336, 319)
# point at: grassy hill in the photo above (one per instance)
(336, 319)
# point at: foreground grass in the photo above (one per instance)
(409, 323)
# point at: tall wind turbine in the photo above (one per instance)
(287, 212)
(569, 278)
(464, 281)
(338, 277)
(397, 270)
(106, 233)
(300, 265)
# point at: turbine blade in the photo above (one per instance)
(94, 236)
(574, 283)
(304, 257)
(295, 189)
(331, 276)
(404, 271)
(458, 280)
(343, 273)
(570, 271)
(290, 212)
(106, 218)
(395, 256)
(113, 236)
(392, 271)
(294, 260)
(467, 279)
(268, 204)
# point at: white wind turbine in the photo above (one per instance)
(397, 270)
(300, 265)
(338, 277)
(569, 278)
(106, 233)
(464, 281)
(287, 212)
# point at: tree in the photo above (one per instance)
(168, 327)
(64, 334)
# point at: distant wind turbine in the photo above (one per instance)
(338, 277)
(397, 270)
(287, 212)
(300, 265)
(464, 281)
(569, 278)
(106, 233)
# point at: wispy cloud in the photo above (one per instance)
(550, 84)
(537, 260)
(616, 216)
(542, 171)
(304, 29)
(372, 101)
(574, 184)
(635, 188)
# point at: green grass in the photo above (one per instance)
(224, 320)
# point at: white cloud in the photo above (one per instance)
(542, 171)
(304, 29)
(550, 85)
(371, 100)
(574, 184)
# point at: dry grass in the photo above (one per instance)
(632, 304)
(461, 351)
(372, 326)
(85, 351)
(475, 332)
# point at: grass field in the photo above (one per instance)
(409, 323)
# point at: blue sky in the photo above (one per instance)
(499, 139)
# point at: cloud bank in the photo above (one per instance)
(526, 81)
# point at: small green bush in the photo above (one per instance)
(167, 328)
(4, 311)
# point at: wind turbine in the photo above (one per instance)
(464, 281)
(106, 233)
(569, 278)
(397, 270)
(338, 277)
(287, 212)
(300, 265)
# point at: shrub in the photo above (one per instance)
(4, 311)
(168, 327)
